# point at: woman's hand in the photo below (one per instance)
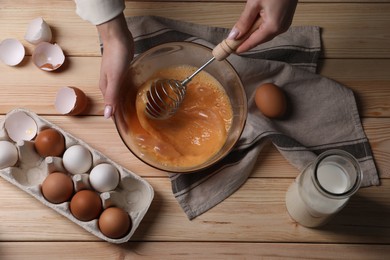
(118, 52)
(276, 17)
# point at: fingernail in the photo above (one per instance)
(107, 112)
(233, 34)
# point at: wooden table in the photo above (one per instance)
(253, 222)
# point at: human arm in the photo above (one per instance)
(276, 18)
(118, 47)
(118, 52)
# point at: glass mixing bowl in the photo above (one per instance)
(171, 54)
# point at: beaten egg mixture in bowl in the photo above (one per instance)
(208, 123)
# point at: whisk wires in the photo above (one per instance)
(166, 95)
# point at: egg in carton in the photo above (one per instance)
(23, 166)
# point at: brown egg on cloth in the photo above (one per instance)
(50, 142)
(86, 205)
(114, 222)
(57, 187)
(271, 100)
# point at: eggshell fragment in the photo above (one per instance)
(77, 159)
(114, 222)
(47, 56)
(8, 154)
(38, 31)
(104, 177)
(271, 100)
(71, 101)
(20, 127)
(11, 52)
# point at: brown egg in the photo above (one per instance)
(57, 187)
(271, 100)
(86, 205)
(114, 222)
(50, 142)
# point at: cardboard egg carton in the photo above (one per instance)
(133, 194)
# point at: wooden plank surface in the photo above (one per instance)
(255, 213)
(344, 34)
(253, 222)
(190, 250)
(366, 77)
(269, 164)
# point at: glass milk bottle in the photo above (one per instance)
(323, 188)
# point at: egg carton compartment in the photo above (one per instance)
(133, 194)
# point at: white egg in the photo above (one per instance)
(8, 154)
(104, 177)
(11, 52)
(38, 31)
(77, 159)
(20, 126)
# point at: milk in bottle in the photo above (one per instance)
(323, 188)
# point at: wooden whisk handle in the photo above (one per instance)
(228, 46)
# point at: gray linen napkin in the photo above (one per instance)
(323, 114)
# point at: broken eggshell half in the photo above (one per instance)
(47, 56)
(20, 127)
(11, 52)
(71, 101)
(38, 31)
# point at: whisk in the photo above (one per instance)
(165, 96)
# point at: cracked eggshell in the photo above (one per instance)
(20, 126)
(11, 52)
(8, 154)
(38, 31)
(71, 101)
(47, 56)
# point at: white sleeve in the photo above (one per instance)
(99, 11)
